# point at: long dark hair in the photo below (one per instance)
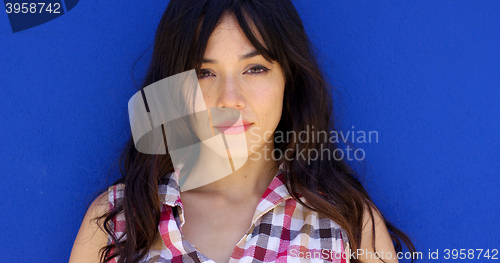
(330, 187)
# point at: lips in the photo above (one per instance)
(230, 127)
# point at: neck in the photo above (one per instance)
(251, 179)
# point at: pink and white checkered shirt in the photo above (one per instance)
(282, 230)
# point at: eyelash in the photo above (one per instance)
(261, 70)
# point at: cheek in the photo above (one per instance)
(199, 121)
(270, 104)
(200, 101)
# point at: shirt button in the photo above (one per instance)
(249, 236)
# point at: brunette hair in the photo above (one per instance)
(330, 187)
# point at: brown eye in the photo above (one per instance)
(204, 73)
(257, 70)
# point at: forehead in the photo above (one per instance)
(228, 36)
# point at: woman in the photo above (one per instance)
(280, 204)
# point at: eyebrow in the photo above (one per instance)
(251, 54)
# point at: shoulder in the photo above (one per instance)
(100, 205)
(91, 238)
(371, 218)
(375, 238)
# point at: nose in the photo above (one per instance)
(230, 93)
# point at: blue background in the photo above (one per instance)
(424, 74)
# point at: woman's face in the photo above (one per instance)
(234, 75)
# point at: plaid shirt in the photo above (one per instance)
(282, 230)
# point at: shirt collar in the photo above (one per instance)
(276, 192)
(169, 189)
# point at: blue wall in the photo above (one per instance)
(424, 74)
